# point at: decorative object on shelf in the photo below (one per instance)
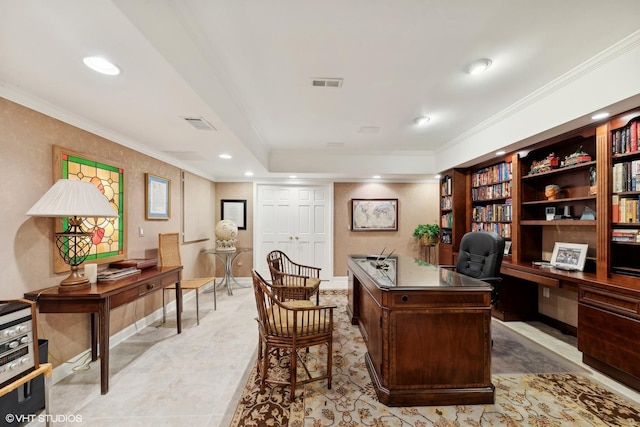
(577, 157)
(546, 165)
(507, 247)
(374, 214)
(552, 192)
(588, 214)
(569, 256)
(428, 234)
(226, 232)
(75, 200)
(593, 188)
(550, 213)
(236, 211)
(157, 192)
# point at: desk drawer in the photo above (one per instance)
(149, 287)
(627, 305)
(134, 293)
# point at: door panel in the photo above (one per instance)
(297, 221)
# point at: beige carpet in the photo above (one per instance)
(534, 387)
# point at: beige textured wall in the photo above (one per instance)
(26, 256)
(238, 191)
(417, 204)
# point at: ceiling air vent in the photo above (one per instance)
(326, 82)
(199, 123)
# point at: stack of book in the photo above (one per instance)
(114, 274)
(625, 235)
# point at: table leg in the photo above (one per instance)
(231, 278)
(103, 311)
(179, 306)
(94, 337)
(225, 281)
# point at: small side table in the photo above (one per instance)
(227, 258)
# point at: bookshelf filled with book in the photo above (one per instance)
(625, 196)
(492, 208)
(453, 213)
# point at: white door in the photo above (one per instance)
(296, 220)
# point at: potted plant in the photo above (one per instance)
(427, 233)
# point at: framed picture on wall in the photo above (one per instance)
(374, 214)
(157, 191)
(109, 237)
(236, 211)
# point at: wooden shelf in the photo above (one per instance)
(577, 222)
(559, 201)
(558, 171)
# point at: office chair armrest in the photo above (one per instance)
(491, 279)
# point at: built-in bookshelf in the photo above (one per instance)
(492, 208)
(453, 213)
(625, 198)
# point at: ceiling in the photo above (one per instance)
(246, 67)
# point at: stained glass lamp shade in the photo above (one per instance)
(73, 199)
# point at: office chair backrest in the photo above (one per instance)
(480, 254)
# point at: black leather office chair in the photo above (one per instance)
(480, 256)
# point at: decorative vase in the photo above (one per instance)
(226, 232)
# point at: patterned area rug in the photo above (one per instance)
(533, 388)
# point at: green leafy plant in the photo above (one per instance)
(430, 230)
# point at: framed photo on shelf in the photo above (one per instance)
(569, 256)
(157, 195)
(236, 211)
(374, 214)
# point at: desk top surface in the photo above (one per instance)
(102, 289)
(404, 272)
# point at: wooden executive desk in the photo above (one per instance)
(100, 298)
(427, 330)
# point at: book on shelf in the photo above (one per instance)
(114, 274)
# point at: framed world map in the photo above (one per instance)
(374, 214)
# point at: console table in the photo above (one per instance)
(100, 298)
(427, 331)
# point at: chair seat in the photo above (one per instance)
(307, 322)
(193, 283)
(311, 282)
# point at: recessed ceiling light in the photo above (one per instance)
(600, 116)
(369, 129)
(437, 176)
(376, 177)
(421, 120)
(225, 156)
(248, 173)
(101, 65)
(500, 153)
(479, 66)
(292, 176)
